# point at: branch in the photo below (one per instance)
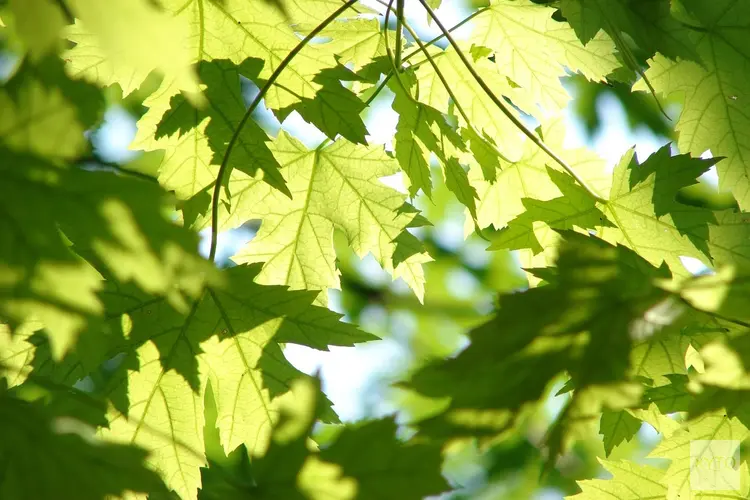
(396, 69)
(399, 19)
(113, 166)
(263, 91)
(506, 111)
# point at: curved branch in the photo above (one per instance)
(399, 20)
(263, 91)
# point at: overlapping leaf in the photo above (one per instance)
(642, 212)
(422, 131)
(648, 23)
(630, 481)
(38, 24)
(48, 453)
(108, 50)
(229, 338)
(291, 468)
(479, 107)
(692, 443)
(577, 323)
(215, 125)
(528, 177)
(713, 89)
(44, 113)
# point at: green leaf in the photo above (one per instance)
(692, 443)
(248, 29)
(672, 397)
(533, 50)
(108, 50)
(414, 140)
(642, 213)
(44, 113)
(230, 337)
(38, 24)
(47, 454)
(356, 41)
(296, 238)
(457, 181)
(217, 124)
(713, 89)
(616, 427)
(648, 23)
(529, 177)
(335, 109)
(630, 481)
(164, 416)
(120, 221)
(580, 324)
(117, 219)
(391, 467)
(420, 132)
(292, 468)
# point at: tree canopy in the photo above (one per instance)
(133, 365)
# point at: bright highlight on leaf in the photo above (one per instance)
(334, 186)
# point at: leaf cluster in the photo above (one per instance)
(123, 348)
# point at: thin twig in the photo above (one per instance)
(114, 166)
(266, 87)
(67, 14)
(399, 21)
(630, 59)
(389, 53)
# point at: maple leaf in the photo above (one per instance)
(51, 453)
(109, 51)
(356, 41)
(115, 219)
(45, 113)
(682, 449)
(422, 131)
(482, 111)
(247, 29)
(630, 481)
(292, 467)
(576, 323)
(724, 383)
(216, 124)
(642, 213)
(37, 24)
(648, 23)
(118, 220)
(712, 90)
(296, 238)
(616, 427)
(529, 177)
(533, 50)
(230, 339)
(335, 109)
